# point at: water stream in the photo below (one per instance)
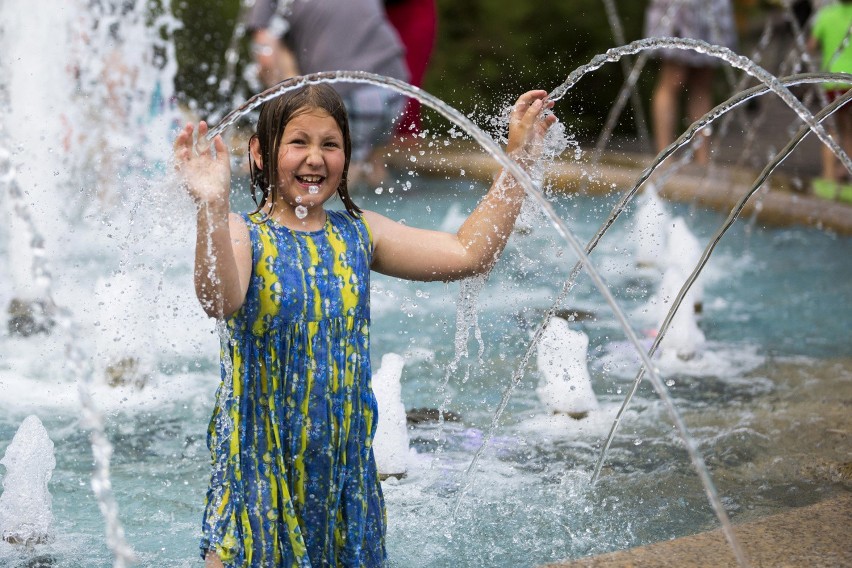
(723, 53)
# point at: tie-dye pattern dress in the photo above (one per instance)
(294, 481)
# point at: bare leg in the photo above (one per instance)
(828, 162)
(665, 101)
(212, 560)
(700, 102)
(844, 125)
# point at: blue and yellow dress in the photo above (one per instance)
(294, 481)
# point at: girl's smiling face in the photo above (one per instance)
(311, 159)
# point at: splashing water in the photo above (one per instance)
(83, 59)
(313, 189)
(301, 211)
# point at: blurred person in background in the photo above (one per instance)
(416, 22)
(309, 36)
(831, 26)
(686, 70)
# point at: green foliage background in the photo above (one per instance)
(487, 52)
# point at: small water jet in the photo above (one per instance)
(652, 221)
(682, 253)
(565, 386)
(391, 443)
(685, 338)
(26, 515)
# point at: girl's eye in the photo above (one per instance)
(332, 145)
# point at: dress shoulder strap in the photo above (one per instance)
(355, 225)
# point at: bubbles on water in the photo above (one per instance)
(313, 189)
(301, 211)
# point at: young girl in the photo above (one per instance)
(294, 481)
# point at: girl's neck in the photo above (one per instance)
(287, 216)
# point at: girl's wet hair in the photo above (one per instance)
(273, 119)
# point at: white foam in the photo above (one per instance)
(553, 427)
(20, 394)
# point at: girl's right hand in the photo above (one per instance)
(528, 124)
(205, 175)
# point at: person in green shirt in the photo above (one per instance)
(832, 25)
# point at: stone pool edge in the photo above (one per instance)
(772, 207)
(811, 536)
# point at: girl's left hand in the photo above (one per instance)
(527, 126)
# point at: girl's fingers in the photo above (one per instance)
(187, 145)
(183, 144)
(203, 144)
(525, 101)
(180, 139)
(221, 147)
(532, 113)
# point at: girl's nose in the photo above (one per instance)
(314, 155)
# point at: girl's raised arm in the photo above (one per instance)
(420, 254)
(222, 246)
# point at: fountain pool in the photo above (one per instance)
(766, 398)
(765, 393)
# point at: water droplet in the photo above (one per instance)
(301, 211)
(313, 189)
(379, 190)
(298, 199)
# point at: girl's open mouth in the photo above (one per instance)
(310, 180)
